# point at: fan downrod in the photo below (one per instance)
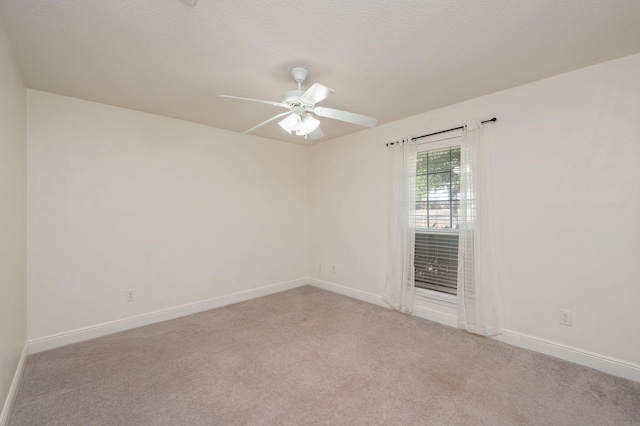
(299, 75)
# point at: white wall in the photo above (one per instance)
(567, 201)
(13, 164)
(181, 212)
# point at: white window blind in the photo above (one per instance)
(437, 202)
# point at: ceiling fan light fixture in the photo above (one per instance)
(309, 124)
(300, 104)
(302, 125)
(292, 123)
(283, 124)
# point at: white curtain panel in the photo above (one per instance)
(477, 307)
(399, 285)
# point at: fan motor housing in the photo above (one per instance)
(292, 97)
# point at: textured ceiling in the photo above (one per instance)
(387, 59)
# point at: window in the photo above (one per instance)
(437, 198)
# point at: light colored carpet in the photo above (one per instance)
(311, 357)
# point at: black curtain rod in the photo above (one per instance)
(450, 130)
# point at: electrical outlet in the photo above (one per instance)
(565, 317)
(333, 269)
(319, 267)
(130, 295)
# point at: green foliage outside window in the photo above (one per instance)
(437, 188)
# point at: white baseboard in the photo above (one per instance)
(435, 316)
(419, 311)
(13, 389)
(600, 362)
(349, 292)
(99, 330)
(616, 367)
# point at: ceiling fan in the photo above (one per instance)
(302, 104)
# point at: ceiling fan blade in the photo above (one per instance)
(267, 121)
(278, 104)
(349, 117)
(316, 93)
(316, 134)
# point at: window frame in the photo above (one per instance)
(437, 143)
